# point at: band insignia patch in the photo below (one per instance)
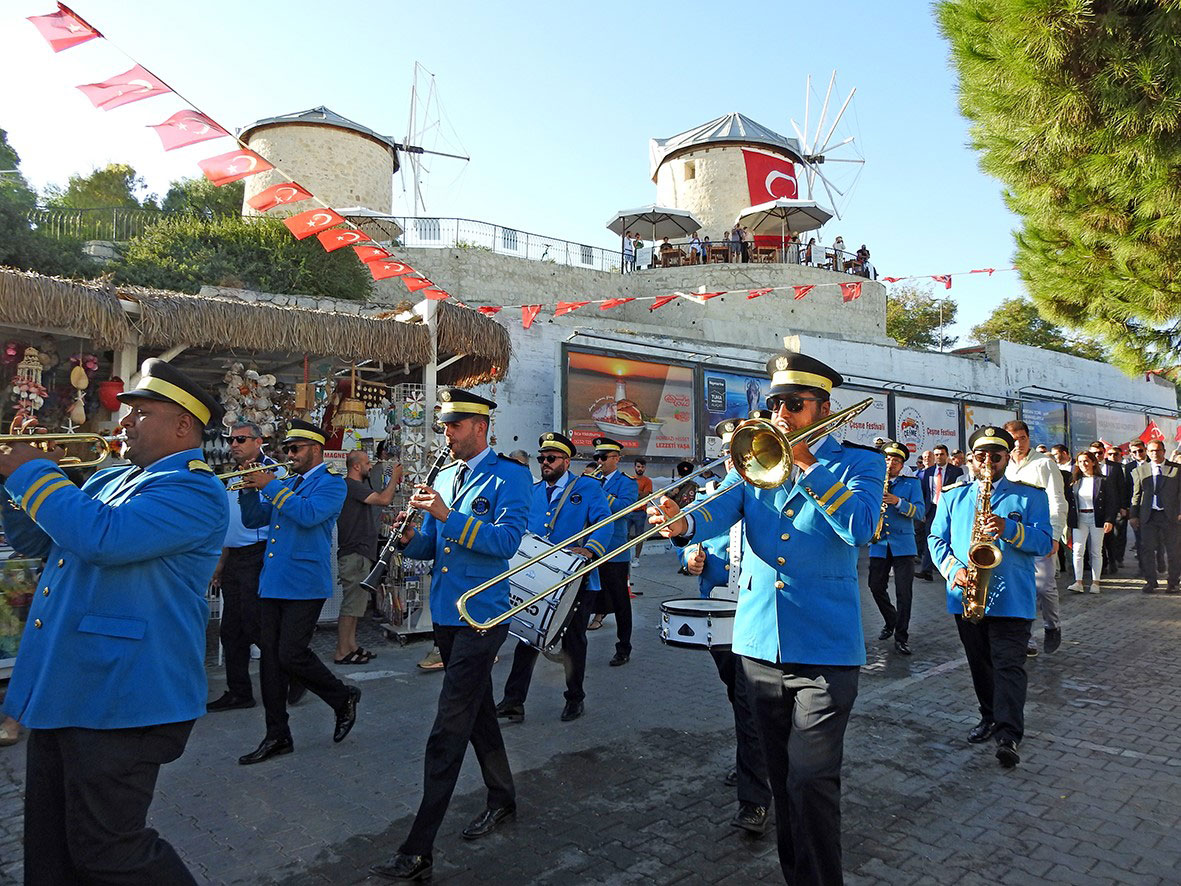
(781, 363)
(481, 506)
(1015, 516)
(445, 396)
(575, 498)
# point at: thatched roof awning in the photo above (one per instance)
(113, 315)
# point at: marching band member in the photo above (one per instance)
(475, 517)
(1019, 525)
(798, 625)
(622, 493)
(301, 510)
(713, 561)
(895, 548)
(111, 671)
(562, 505)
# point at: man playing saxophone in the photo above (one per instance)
(1017, 521)
(893, 547)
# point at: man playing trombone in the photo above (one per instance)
(475, 518)
(562, 505)
(798, 624)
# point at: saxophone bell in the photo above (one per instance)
(983, 553)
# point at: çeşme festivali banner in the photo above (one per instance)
(922, 424)
(868, 425)
(646, 406)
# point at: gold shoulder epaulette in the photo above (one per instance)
(333, 470)
(200, 465)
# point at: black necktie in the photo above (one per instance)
(460, 476)
(549, 493)
(295, 485)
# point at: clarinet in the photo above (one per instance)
(392, 552)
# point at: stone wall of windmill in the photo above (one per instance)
(710, 182)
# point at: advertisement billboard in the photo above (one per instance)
(920, 424)
(1046, 420)
(647, 406)
(874, 422)
(729, 395)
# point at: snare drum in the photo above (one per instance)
(542, 624)
(696, 623)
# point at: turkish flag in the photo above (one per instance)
(661, 300)
(374, 253)
(529, 314)
(311, 222)
(614, 303)
(416, 283)
(278, 195)
(755, 293)
(64, 28)
(850, 291)
(801, 291)
(989, 271)
(567, 307)
(893, 279)
(1152, 432)
(334, 240)
(382, 270)
(122, 89)
(187, 128)
(769, 177)
(233, 165)
(945, 279)
(435, 294)
(489, 310)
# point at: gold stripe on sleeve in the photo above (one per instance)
(822, 500)
(841, 499)
(475, 528)
(32, 509)
(466, 526)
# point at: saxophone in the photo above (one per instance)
(877, 532)
(983, 554)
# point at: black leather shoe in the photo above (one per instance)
(1031, 650)
(404, 867)
(346, 717)
(902, 647)
(514, 713)
(731, 779)
(1172, 589)
(488, 821)
(981, 732)
(572, 711)
(295, 692)
(925, 576)
(1148, 589)
(1006, 752)
(229, 702)
(270, 747)
(1053, 639)
(619, 659)
(887, 633)
(751, 818)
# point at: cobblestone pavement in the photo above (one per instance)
(632, 792)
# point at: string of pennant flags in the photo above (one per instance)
(65, 29)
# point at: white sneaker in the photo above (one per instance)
(1094, 587)
(1077, 587)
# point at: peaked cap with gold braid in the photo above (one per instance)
(791, 372)
(163, 381)
(456, 404)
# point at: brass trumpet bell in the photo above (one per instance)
(95, 447)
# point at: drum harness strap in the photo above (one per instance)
(549, 527)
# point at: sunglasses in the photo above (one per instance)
(549, 459)
(294, 447)
(603, 456)
(994, 457)
(791, 402)
(242, 438)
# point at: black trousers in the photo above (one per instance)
(879, 580)
(466, 713)
(286, 631)
(87, 795)
(239, 614)
(922, 528)
(749, 762)
(614, 598)
(802, 711)
(995, 647)
(516, 687)
(1159, 534)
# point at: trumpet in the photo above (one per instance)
(762, 457)
(236, 477)
(99, 446)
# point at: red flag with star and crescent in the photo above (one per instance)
(278, 195)
(383, 270)
(945, 279)
(850, 291)
(567, 307)
(122, 89)
(64, 28)
(614, 303)
(416, 283)
(334, 240)
(769, 177)
(187, 128)
(801, 291)
(488, 310)
(369, 254)
(311, 222)
(1152, 432)
(233, 165)
(529, 314)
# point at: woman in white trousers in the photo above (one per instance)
(1091, 515)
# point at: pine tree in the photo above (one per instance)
(1076, 107)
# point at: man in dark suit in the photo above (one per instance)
(934, 478)
(1139, 457)
(1061, 455)
(1115, 542)
(1156, 510)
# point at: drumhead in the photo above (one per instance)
(698, 606)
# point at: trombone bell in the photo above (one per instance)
(761, 453)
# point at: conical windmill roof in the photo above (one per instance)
(324, 117)
(732, 128)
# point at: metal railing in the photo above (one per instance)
(96, 224)
(466, 233)
(765, 250)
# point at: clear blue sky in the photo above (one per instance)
(555, 103)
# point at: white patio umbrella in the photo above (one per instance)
(786, 215)
(662, 221)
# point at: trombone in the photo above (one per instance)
(235, 477)
(101, 446)
(762, 457)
